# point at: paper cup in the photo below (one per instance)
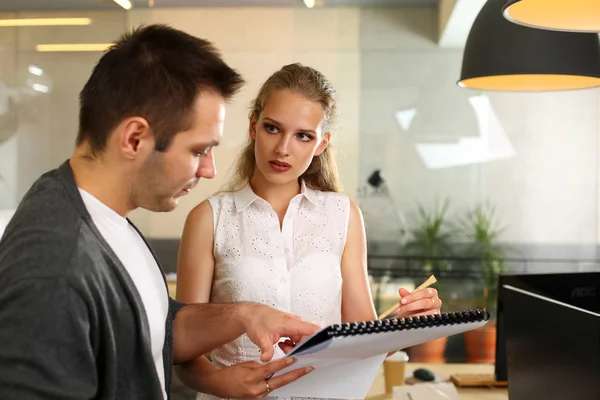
(393, 370)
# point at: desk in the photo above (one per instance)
(377, 391)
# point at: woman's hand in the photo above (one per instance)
(421, 302)
(248, 380)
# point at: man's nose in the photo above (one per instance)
(207, 168)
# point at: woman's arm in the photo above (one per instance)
(357, 302)
(195, 271)
(195, 262)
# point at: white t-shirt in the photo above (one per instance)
(142, 268)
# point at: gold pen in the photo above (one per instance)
(430, 281)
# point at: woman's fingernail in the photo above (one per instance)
(290, 360)
(397, 310)
(308, 369)
(403, 301)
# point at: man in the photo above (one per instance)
(84, 308)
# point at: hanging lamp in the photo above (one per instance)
(559, 15)
(500, 55)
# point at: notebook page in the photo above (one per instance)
(345, 364)
(339, 381)
(343, 349)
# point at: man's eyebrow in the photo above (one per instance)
(212, 143)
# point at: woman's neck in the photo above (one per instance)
(279, 196)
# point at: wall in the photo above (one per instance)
(8, 121)
(257, 42)
(326, 39)
(41, 126)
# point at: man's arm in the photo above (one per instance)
(199, 328)
(45, 348)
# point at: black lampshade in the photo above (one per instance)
(501, 55)
(560, 15)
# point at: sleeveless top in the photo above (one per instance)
(295, 268)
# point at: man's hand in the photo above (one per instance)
(249, 379)
(265, 326)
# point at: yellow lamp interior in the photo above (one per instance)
(562, 15)
(530, 82)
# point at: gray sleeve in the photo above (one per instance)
(45, 346)
(174, 307)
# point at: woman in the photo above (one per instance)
(281, 234)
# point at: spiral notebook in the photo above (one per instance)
(346, 357)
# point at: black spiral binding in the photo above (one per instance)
(402, 324)
(396, 324)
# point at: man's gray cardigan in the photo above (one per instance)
(72, 324)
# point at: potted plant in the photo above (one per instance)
(429, 246)
(481, 229)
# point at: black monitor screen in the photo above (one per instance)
(580, 289)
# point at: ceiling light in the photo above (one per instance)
(40, 88)
(309, 3)
(73, 47)
(500, 55)
(560, 15)
(126, 4)
(45, 21)
(35, 70)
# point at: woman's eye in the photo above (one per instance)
(304, 137)
(270, 128)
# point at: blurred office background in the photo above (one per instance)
(429, 162)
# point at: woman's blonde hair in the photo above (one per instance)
(322, 174)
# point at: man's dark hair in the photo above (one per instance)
(155, 72)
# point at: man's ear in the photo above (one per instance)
(135, 136)
(324, 143)
(252, 125)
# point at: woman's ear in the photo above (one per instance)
(324, 143)
(252, 125)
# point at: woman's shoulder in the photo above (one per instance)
(217, 201)
(325, 194)
(340, 201)
(209, 204)
(327, 199)
(200, 210)
(220, 197)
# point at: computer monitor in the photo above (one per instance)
(579, 289)
(553, 347)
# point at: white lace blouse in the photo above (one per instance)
(295, 268)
